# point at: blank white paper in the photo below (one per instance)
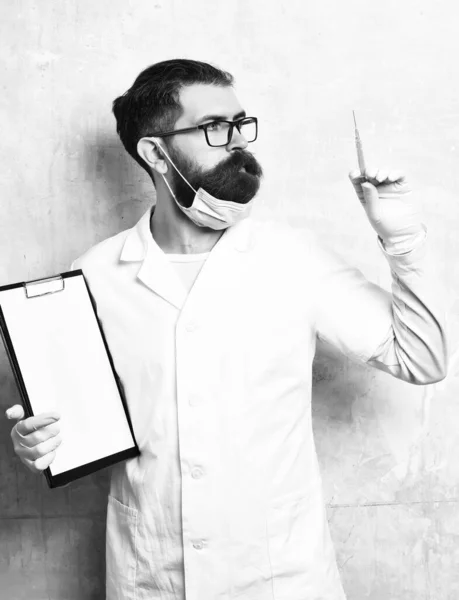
(65, 367)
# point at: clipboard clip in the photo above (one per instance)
(42, 287)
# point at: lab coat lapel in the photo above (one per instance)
(155, 270)
(157, 273)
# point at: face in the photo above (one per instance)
(228, 172)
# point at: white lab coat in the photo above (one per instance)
(218, 386)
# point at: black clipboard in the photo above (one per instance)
(61, 360)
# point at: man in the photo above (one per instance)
(211, 319)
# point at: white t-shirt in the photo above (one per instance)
(187, 267)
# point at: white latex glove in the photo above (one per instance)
(36, 439)
(386, 199)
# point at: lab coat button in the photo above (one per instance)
(197, 473)
(198, 545)
(191, 327)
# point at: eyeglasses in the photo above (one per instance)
(220, 133)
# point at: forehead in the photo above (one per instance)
(199, 100)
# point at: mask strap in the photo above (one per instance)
(172, 163)
(170, 189)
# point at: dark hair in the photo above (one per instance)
(152, 103)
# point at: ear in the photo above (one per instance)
(149, 150)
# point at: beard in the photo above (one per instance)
(235, 179)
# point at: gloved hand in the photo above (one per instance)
(386, 199)
(36, 439)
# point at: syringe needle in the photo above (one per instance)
(358, 145)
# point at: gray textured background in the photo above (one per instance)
(388, 450)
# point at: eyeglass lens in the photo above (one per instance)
(218, 132)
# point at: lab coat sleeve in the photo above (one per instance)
(402, 333)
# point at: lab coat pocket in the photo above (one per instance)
(298, 548)
(121, 550)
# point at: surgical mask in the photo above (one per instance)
(208, 211)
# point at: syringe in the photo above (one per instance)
(358, 144)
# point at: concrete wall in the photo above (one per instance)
(388, 450)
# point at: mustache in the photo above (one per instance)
(235, 178)
(241, 159)
(239, 165)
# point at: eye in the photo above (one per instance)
(215, 126)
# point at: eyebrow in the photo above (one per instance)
(216, 117)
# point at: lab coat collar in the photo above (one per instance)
(136, 243)
(157, 273)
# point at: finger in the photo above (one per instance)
(381, 175)
(357, 180)
(375, 176)
(15, 412)
(30, 464)
(370, 193)
(356, 175)
(396, 176)
(43, 463)
(34, 423)
(39, 450)
(37, 437)
(370, 173)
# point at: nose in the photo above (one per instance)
(238, 141)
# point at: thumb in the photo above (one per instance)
(15, 412)
(370, 193)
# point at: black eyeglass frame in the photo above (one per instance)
(238, 124)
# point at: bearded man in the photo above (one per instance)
(211, 319)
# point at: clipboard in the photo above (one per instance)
(61, 361)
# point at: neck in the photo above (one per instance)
(174, 232)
